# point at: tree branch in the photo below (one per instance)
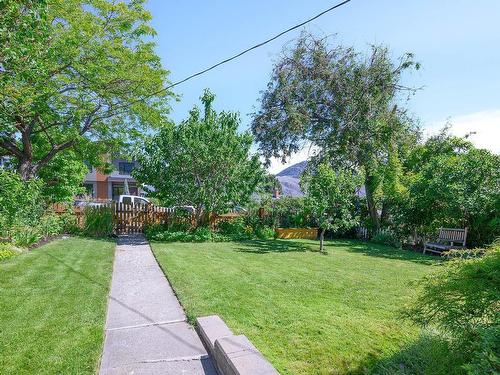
(11, 148)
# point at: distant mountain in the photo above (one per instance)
(289, 179)
(294, 170)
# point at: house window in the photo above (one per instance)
(125, 167)
(118, 189)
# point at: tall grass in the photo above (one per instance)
(98, 221)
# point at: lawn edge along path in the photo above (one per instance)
(146, 328)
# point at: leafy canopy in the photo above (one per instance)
(72, 73)
(449, 183)
(345, 104)
(203, 161)
(330, 197)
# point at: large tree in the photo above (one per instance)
(203, 162)
(75, 73)
(345, 104)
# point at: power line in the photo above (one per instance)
(239, 54)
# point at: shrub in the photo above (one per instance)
(236, 229)
(264, 232)
(21, 207)
(7, 251)
(200, 234)
(387, 238)
(24, 235)
(98, 221)
(50, 224)
(23, 217)
(486, 352)
(463, 300)
(454, 190)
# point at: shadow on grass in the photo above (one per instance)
(273, 246)
(429, 354)
(382, 251)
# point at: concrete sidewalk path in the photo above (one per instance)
(146, 329)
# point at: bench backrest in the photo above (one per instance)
(453, 235)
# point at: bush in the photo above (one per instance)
(462, 299)
(24, 235)
(50, 224)
(7, 251)
(200, 234)
(264, 232)
(486, 352)
(387, 238)
(236, 229)
(98, 221)
(23, 217)
(228, 230)
(21, 201)
(454, 190)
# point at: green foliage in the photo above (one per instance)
(20, 201)
(199, 234)
(268, 187)
(386, 238)
(351, 107)
(463, 296)
(203, 162)
(264, 232)
(462, 299)
(236, 228)
(24, 218)
(7, 251)
(286, 212)
(486, 352)
(72, 71)
(98, 221)
(24, 235)
(451, 184)
(330, 196)
(62, 177)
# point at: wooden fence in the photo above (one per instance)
(129, 218)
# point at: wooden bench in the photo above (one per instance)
(449, 238)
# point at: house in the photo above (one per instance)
(111, 186)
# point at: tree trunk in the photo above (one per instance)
(25, 169)
(321, 240)
(370, 201)
(384, 216)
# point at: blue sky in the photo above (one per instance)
(457, 43)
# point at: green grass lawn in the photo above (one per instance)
(307, 312)
(53, 306)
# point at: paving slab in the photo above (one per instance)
(146, 329)
(155, 343)
(191, 367)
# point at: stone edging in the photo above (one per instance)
(232, 355)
